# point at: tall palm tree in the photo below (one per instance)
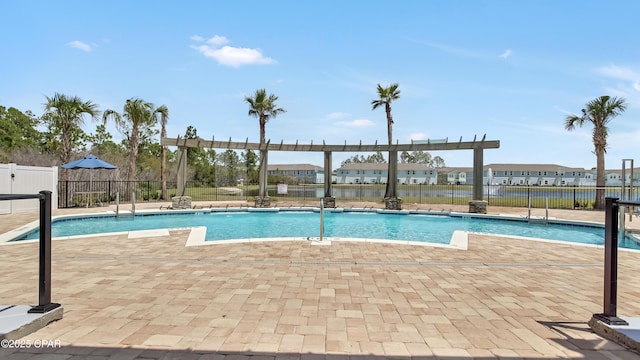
(386, 97)
(164, 116)
(137, 114)
(263, 107)
(67, 113)
(598, 112)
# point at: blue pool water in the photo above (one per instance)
(242, 225)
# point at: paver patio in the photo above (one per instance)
(154, 298)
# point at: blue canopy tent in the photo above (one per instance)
(89, 162)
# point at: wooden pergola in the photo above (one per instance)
(477, 145)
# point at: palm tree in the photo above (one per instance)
(137, 114)
(598, 112)
(388, 95)
(164, 116)
(263, 107)
(67, 114)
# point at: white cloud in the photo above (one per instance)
(618, 72)
(337, 115)
(79, 45)
(229, 55)
(218, 40)
(628, 85)
(356, 123)
(417, 136)
(506, 54)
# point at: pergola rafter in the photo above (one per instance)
(477, 145)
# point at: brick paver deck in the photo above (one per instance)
(154, 298)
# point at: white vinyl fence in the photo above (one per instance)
(18, 179)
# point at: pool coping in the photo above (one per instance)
(459, 239)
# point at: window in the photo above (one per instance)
(510, 172)
(545, 173)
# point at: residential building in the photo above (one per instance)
(370, 173)
(303, 173)
(495, 174)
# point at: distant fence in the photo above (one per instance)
(72, 193)
(20, 179)
(79, 193)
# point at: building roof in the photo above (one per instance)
(288, 167)
(447, 169)
(383, 166)
(530, 167)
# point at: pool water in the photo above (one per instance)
(243, 225)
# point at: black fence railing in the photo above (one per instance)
(85, 193)
(79, 193)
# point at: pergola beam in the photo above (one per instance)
(416, 146)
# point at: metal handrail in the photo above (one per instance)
(44, 282)
(612, 215)
(321, 218)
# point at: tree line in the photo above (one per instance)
(57, 137)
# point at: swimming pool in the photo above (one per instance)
(280, 223)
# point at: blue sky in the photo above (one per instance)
(509, 69)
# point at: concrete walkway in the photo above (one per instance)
(152, 298)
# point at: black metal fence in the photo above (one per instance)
(82, 193)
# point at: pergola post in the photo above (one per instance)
(182, 170)
(477, 205)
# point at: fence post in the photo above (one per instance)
(452, 185)
(44, 283)
(488, 192)
(66, 191)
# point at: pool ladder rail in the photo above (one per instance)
(132, 212)
(539, 220)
